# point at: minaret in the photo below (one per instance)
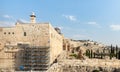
(33, 18)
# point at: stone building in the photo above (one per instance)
(69, 44)
(35, 35)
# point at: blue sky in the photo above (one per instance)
(97, 20)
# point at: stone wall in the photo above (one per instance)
(86, 66)
(35, 34)
(56, 44)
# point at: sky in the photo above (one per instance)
(97, 20)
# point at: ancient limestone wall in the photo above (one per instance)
(69, 44)
(86, 66)
(56, 44)
(36, 34)
(7, 60)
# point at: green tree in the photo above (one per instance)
(95, 71)
(119, 55)
(101, 55)
(88, 53)
(91, 54)
(110, 55)
(116, 52)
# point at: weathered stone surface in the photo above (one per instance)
(86, 66)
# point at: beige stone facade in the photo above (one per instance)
(69, 44)
(35, 34)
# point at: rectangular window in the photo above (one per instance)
(25, 34)
(12, 32)
(8, 32)
(4, 32)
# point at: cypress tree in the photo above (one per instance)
(111, 48)
(119, 55)
(94, 54)
(116, 48)
(110, 54)
(91, 54)
(116, 52)
(88, 53)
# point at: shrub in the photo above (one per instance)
(95, 71)
(74, 55)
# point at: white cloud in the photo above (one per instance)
(70, 17)
(7, 16)
(115, 27)
(6, 24)
(92, 23)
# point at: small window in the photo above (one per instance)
(4, 32)
(25, 34)
(8, 32)
(12, 32)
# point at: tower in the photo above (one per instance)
(33, 18)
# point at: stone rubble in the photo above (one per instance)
(86, 66)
